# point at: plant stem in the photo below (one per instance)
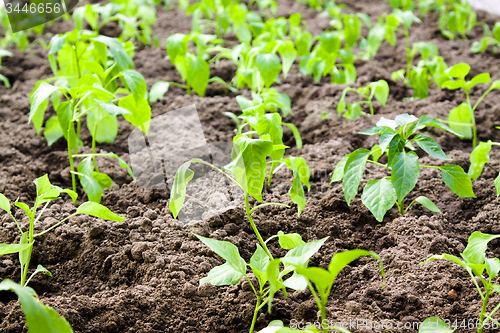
(483, 311)
(473, 120)
(30, 248)
(255, 230)
(93, 148)
(255, 313)
(371, 106)
(70, 156)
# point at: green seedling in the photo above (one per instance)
(270, 272)
(378, 89)
(135, 18)
(475, 262)
(478, 159)
(462, 119)
(491, 38)
(3, 78)
(18, 39)
(396, 142)
(402, 4)
(87, 84)
(40, 318)
(45, 194)
(324, 115)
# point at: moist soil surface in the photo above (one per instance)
(142, 275)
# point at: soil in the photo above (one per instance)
(142, 275)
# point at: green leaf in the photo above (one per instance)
(480, 79)
(90, 185)
(457, 180)
(24, 207)
(303, 169)
(251, 165)
(198, 74)
(497, 185)
(338, 172)
(427, 203)
(103, 125)
(295, 133)
(140, 111)
(322, 279)
(492, 267)
(52, 131)
(42, 185)
(270, 123)
(12, 248)
(296, 191)
(176, 46)
(98, 210)
(342, 259)
(4, 203)
(380, 91)
(299, 256)
(386, 137)
(158, 90)
(353, 172)
(223, 275)
(476, 247)
(135, 82)
(478, 158)
(459, 71)
(429, 121)
(379, 196)
(178, 191)
(434, 325)
(404, 173)
(258, 264)
(288, 55)
(404, 119)
(226, 251)
(269, 67)
(289, 241)
(112, 109)
(39, 317)
(121, 57)
(460, 120)
(38, 99)
(430, 146)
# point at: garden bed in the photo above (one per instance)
(142, 275)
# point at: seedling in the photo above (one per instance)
(270, 272)
(475, 262)
(396, 137)
(461, 119)
(378, 89)
(45, 194)
(490, 38)
(478, 159)
(89, 82)
(40, 318)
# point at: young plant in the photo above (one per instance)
(3, 78)
(269, 271)
(396, 142)
(378, 89)
(490, 38)
(45, 194)
(461, 119)
(478, 159)
(40, 318)
(87, 85)
(475, 262)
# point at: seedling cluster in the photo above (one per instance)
(94, 83)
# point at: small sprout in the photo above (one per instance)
(378, 89)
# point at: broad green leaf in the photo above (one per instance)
(24, 207)
(42, 185)
(288, 55)
(258, 263)
(497, 185)
(492, 266)
(98, 210)
(299, 256)
(12, 248)
(270, 123)
(353, 111)
(140, 111)
(434, 325)
(4, 203)
(102, 125)
(296, 191)
(460, 120)
(289, 241)
(117, 51)
(226, 251)
(404, 173)
(381, 91)
(377, 130)
(223, 275)
(178, 191)
(135, 82)
(430, 146)
(295, 133)
(386, 137)
(379, 196)
(429, 121)
(450, 257)
(303, 169)
(495, 85)
(478, 158)
(198, 74)
(158, 90)
(459, 71)
(112, 109)
(39, 317)
(37, 100)
(269, 66)
(457, 180)
(353, 172)
(52, 131)
(251, 164)
(476, 247)
(176, 46)
(90, 185)
(296, 282)
(273, 273)
(338, 172)
(427, 203)
(322, 279)
(404, 119)
(396, 146)
(453, 84)
(480, 79)
(342, 259)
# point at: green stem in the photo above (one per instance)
(269, 179)
(93, 148)
(371, 106)
(255, 230)
(70, 156)
(483, 311)
(255, 313)
(473, 120)
(30, 248)
(379, 164)
(54, 226)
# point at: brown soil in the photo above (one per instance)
(142, 275)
